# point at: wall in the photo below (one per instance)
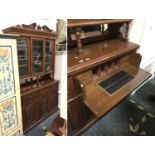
(142, 32)
(61, 75)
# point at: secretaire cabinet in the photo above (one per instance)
(10, 102)
(36, 47)
(103, 68)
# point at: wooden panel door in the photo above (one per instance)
(10, 104)
(29, 115)
(78, 115)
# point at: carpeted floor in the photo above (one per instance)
(43, 127)
(135, 115)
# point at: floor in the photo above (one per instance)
(43, 127)
(135, 115)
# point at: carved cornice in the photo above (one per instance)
(32, 29)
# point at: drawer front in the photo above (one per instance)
(28, 99)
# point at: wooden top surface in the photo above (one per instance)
(97, 53)
(35, 87)
(98, 100)
(86, 22)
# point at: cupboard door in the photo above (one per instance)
(42, 105)
(23, 57)
(48, 55)
(52, 103)
(78, 114)
(37, 56)
(29, 115)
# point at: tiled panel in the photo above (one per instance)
(17, 133)
(6, 73)
(8, 115)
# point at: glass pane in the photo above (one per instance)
(37, 43)
(47, 67)
(37, 55)
(23, 70)
(48, 55)
(22, 48)
(23, 62)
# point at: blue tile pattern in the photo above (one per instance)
(6, 73)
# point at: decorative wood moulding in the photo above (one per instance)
(28, 30)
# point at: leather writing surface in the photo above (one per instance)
(115, 82)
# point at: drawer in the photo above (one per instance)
(45, 92)
(30, 98)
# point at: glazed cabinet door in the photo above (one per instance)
(48, 56)
(23, 57)
(37, 56)
(10, 104)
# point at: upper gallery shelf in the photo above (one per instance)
(32, 29)
(86, 22)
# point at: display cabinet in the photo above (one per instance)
(103, 68)
(10, 102)
(36, 47)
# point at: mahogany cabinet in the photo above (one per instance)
(36, 55)
(103, 68)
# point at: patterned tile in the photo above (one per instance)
(6, 73)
